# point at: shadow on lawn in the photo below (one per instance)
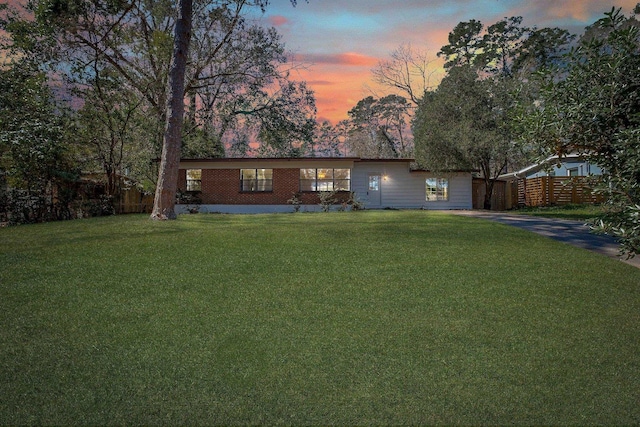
(95, 230)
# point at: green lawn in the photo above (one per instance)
(386, 317)
(577, 212)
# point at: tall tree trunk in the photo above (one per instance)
(165, 199)
(488, 186)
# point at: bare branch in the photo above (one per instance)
(409, 72)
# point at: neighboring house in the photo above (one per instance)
(245, 185)
(569, 165)
(554, 181)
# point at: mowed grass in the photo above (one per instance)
(575, 212)
(360, 318)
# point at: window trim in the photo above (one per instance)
(315, 180)
(268, 182)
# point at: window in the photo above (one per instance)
(437, 189)
(194, 179)
(572, 172)
(325, 179)
(341, 179)
(256, 179)
(374, 182)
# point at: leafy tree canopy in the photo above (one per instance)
(595, 111)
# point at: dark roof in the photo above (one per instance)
(318, 159)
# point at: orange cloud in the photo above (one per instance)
(320, 83)
(337, 87)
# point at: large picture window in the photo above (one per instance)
(256, 179)
(437, 189)
(325, 179)
(194, 179)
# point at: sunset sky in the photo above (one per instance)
(342, 40)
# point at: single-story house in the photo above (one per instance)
(251, 185)
(568, 165)
(553, 181)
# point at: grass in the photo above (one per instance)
(576, 212)
(386, 317)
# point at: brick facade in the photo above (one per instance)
(222, 187)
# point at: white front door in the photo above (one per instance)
(375, 190)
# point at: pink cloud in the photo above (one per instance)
(320, 83)
(278, 20)
(347, 58)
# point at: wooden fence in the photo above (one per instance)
(556, 190)
(132, 200)
(499, 197)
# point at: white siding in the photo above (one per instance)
(405, 189)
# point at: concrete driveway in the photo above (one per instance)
(572, 232)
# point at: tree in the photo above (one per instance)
(464, 125)
(501, 45)
(165, 198)
(407, 71)
(470, 120)
(594, 111)
(465, 44)
(107, 121)
(35, 162)
(542, 49)
(505, 47)
(168, 175)
(378, 127)
(287, 124)
(135, 39)
(329, 140)
(246, 89)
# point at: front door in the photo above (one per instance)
(375, 190)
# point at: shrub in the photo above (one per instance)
(327, 199)
(188, 198)
(295, 201)
(355, 203)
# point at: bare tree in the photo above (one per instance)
(408, 71)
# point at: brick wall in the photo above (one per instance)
(222, 187)
(182, 179)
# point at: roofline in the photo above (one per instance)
(288, 159)
(445, 170)
(387, 160)
(537, 166)
(320, 159)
